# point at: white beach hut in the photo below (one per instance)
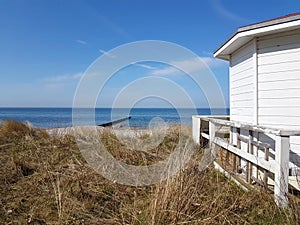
(264, 117)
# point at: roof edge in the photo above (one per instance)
(266, 23)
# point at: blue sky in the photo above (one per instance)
(46, 46)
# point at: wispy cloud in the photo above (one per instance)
(189, 66)
(228, 14)
(106, 53)
(63, 78)
(145, 66)
(211, 54)
(81, 42)
(107, 22)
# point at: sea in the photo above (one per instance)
(140, 117)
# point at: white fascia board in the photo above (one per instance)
(245, 36)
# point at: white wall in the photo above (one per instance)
(278, 85)
(241, 84)
(279, 82)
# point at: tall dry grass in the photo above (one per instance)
(59, 187)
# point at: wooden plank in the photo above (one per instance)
(287, 40)
(295, 140)
(242, 86)
(281, 171)
(278, 58)
(279, 111)
(242, 111)
(212, 137)
(280, 122)
(255, 82)
(285, 47)
(283, 52)
(244, 119)
(279, 35)
(279, 102)
(255, 143)
(279, 85)
(250, 148)
(266, 174)
(242, 60)
(242, 67)
(279, 67)
(243, 89)
(270, 165)
(196, 122)
(244, 104)
(206, 136)
(108, 124)
(229, 176)
(279, 76)
(242, 54)
(280, 40)
(241, 72)
(286, 93)
(255, 152)
(237, 78)
(247, 126)
(238, 158)
(243, 96)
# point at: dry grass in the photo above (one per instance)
(45, 180)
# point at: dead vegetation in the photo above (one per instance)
(45, 180)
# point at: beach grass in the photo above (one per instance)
(45, 180)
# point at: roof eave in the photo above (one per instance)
(244, 35)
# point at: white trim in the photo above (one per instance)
(255, 83)
(247, 35)
(230, 83)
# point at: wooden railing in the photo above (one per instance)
(250, 155)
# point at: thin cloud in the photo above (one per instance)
(63, 78)
(106, 53)
(81, 42)
(228, 14)
(166, 71)
(189, 66)
(145, 66)
(107, 22)
(77, 76)
(211, 54)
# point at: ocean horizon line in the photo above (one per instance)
(140, 117)
(50, 107)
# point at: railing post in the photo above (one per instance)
(234, 136)
(255, 152)
(196, 129)
(282, 170)
(212, 135)
(266, 173)
(249, 164)
(238, 145)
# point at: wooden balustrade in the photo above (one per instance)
(213, 129)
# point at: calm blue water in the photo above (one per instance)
(140, 117)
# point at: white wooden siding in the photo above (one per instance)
(241, 84)
(279, 83)
(279, 79)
